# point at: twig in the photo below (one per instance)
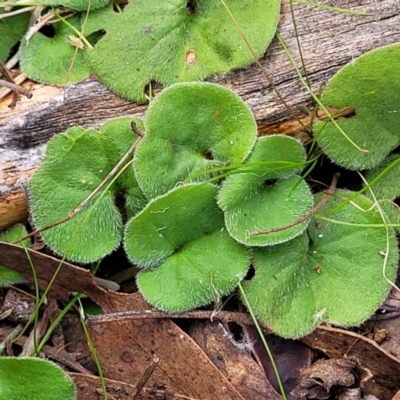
(16, 12)
(144, 378)
(63, 357)
(18, 80)
(224, 316)
(389, 315)
(49, 315)
(328, 194)
(16, 88)
(14, 60)
(141, 134)
(10, 84)
(38, 21)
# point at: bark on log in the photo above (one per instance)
(329, 40)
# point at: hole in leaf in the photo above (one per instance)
(346, 113)
(208, 155)
(150, 87)
(270, 182)
(95, 37)
(191, 6)
(342, 113)
(48, 31)
(119, 5)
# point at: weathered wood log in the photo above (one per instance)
(329, 40)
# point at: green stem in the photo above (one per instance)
(93, 351)
(316, 99)
(80, 35)
(56, 321)
(270, 356)
(335, 221)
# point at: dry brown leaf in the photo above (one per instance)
(289, 356)
(21, 305)
(69, 277)
(317, 381)
(89, 387)
(234, 360)
(383, 367)
(126, 348)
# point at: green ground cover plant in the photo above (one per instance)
(199, 203)
(369, 85)
(225, 201)
(166, 42)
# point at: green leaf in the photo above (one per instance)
(387, 188)
(192, 127)
(79, 5)
(167, 41)
(370, 85)
(54, 60)
(33, 379)
(118, 137)
(179, 240)
(8, 276)
(11, 31)
(170, 221)
(76, 162)
(333, 273)
(265, 193)
(74, 165)
(200, 272)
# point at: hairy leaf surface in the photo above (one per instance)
(370, 85)
(172, 41)
(332, 273)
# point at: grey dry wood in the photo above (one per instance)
(329, 40)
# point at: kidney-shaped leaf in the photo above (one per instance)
(74, 165)
(265, 193)
(189, 259)
(370, 85)
(332, 273)
(76, 162)
(33, 379)
(176, 40)
(54, 60)
(170, 221)
(192, 127)
(200, 272)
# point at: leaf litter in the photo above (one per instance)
(130, 342)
